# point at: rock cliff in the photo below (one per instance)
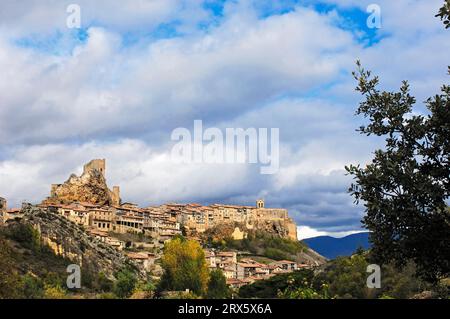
(70, 241)
(282, 228)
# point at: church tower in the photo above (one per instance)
(260, 203)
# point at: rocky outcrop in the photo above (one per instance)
(281, 228)
(90, 187)
(70, 241)
(278, 228)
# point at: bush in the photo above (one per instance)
(217, 286)
(125, 283)
(32, 287)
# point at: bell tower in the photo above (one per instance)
(260, 203)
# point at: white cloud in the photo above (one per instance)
(305, 232)
(46, 16)
(113, 100)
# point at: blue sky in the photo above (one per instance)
(117, 87)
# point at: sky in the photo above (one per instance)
(135, 70)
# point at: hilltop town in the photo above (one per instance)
(140, 233)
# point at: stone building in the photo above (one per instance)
(198, 218)
(87, 200)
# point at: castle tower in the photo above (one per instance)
(260, 203)
(97, 164)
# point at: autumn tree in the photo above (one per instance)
(184, 267)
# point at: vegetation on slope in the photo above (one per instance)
(345, 278)
(31, 270)
(260, 243)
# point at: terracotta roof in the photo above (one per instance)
(249, 265)
(226, 254)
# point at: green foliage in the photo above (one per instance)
(184, 267)
(24, 234)
(263, 244)
(279, 285)
(125, 283)
(345, 277)
(54, 292)
(405, 188)
(217, 286)
(32, 287)
(9, 278)
(444, 14)
(300, 293)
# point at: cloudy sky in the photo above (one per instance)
(137, 69)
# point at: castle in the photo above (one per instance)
(90, 186)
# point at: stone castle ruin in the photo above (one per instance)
(90, 187)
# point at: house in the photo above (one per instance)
(245, 270)
(235, 283)
(230, 271)
(226, 259)
(286, 265)
(210, 257)
(98, 234)
(12, 214)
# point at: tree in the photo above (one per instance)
(125, 283)
(279, 286)
(9, 278)
(217, 286)
(444, 14)
(406, 186)
(184, 267)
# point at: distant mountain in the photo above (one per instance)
(331, 247)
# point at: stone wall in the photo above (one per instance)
(96, 164)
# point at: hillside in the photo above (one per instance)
(36, 250)
(331, 247)
(265, 244)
